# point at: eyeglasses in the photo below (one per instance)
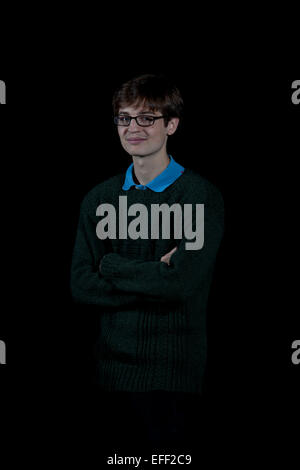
(142, 120)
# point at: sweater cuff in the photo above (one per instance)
(110, 265)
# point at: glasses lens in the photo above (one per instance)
(122, 120)
(145, 120)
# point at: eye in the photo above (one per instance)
(146, 119)
(124, 119)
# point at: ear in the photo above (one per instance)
(172, 126)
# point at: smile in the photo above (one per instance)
(135, 140)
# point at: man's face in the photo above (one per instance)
(145, 141)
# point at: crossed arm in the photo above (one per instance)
(121, 282)
(165, 258)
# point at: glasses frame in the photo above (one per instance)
(136, 118)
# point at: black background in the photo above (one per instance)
(240, 130)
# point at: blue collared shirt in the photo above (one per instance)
(161, 182)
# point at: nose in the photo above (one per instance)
(133, 126)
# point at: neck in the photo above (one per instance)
(148, 168)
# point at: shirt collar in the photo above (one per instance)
(160, 182)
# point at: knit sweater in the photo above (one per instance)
(152, 315)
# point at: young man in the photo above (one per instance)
(150, 281)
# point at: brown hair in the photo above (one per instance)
(155, 92)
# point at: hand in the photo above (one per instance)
(166, 258)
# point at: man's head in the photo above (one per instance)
(144, 97)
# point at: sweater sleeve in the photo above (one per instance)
(188, 270)
(87, 285)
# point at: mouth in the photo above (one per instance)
(135, 140)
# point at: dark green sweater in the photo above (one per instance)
(152, 315)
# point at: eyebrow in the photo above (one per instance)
(141, 112)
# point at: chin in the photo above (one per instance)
(139, 155)
(132, 153)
